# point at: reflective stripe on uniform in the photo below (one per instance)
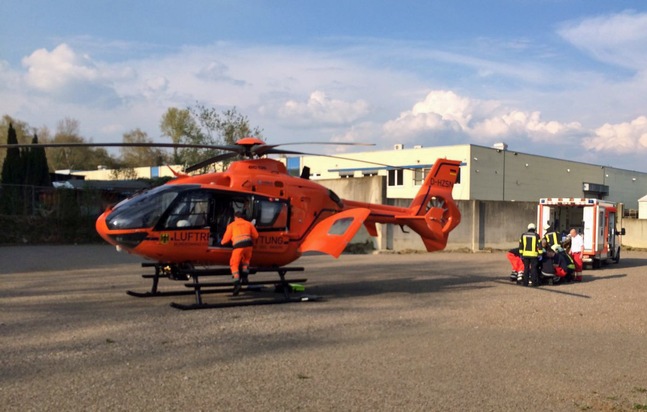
(528, 245)
(551, 238)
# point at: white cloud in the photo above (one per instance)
(619, 39)
(444, 113)
(319, 108)
(364, 133)
(339, 94)
(51, 71)
(623, 138)
(217, 72)
(68, 76)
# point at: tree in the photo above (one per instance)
(75, 158)
(176, 124)
(67, 131)
(209, 127)
(13, 166)
(222, 128)
(37, 169)
(140, 156)
(21, 129)
(13, 176)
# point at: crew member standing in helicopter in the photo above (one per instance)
(242, 234)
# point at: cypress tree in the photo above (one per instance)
(37, 169)
(12, 176)
(12, 168)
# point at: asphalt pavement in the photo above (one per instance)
(411, 332)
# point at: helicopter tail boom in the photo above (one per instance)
(432, 214)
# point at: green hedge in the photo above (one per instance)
(65, 229)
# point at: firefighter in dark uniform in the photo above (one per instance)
(551, 236)
(529, 245)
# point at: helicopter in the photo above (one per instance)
(180, 224)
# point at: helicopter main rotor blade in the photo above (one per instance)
(168, 145)
(258, 150)
(280, 151)
(247, 149)
(211, 160)
(267, 148)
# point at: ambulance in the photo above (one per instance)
(596, 220)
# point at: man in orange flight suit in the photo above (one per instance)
(242, 234)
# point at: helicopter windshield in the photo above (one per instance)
(144, 210)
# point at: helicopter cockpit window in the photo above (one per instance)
(270, 214)
(191, 210)
(143, 210)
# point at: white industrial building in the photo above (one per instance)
(497, 192)
(487, 173)
(103, 173)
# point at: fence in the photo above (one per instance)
(33, 214)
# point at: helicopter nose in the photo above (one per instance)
(128, 239)
(102, 228)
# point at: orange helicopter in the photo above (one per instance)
(180, 224)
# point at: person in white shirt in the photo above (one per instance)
(577, 246)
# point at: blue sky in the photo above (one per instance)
(561, 78)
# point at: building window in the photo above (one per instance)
(419, 176)
(396, 177)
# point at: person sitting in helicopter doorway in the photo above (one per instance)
(242, 234)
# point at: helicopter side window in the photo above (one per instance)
(271, 215)
(189, 211)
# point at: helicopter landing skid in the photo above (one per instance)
(280, 285)
(201, 288)
(251, 302)
(160, 273)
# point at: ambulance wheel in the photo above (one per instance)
(616, 258)
(596, 264)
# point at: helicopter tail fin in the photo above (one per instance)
(433, 212)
